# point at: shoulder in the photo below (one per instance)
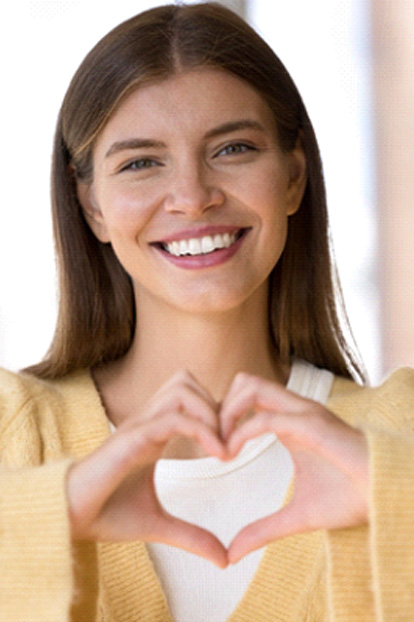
(24, 397)
(16, 398)
(19, 388)
(398, 386)
(391, 404)
(42, 420)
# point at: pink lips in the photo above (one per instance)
(208, 260)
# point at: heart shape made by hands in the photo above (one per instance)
(112, 492)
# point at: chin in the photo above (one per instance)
(213, 302)
(208, 298)
(207, 307)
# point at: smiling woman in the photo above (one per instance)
(198, 402)
(153, 52)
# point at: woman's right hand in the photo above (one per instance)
(111, 492)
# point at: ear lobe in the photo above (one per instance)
(298, 178)
(91, 211)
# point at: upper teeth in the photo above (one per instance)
(200, 246)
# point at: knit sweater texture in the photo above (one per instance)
(363, 574)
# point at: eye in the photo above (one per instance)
(139, 164)
(236, 149)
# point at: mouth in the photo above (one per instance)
(203, 245)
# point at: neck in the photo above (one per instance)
(213, 347)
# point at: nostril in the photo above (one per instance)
(193, 198)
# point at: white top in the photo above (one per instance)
(223, 497)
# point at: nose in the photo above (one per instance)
(193, 190)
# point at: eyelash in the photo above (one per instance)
(236, 149)
(134, 165)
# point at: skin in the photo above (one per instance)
(201, 377)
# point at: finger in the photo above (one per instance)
(294, 430)
(251, 393)
(199, 388)
(186, 379)
(186, 397)
(193, 539)
(193, 405)
(263, 422)
(93, 480)
(157, 432)
(285, 522)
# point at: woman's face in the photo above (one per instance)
(193, 192)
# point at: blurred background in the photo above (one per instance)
(352, 60)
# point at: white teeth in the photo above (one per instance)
(200, 246)
(218, 241)
(207, 244)
(175, 248)
(194, 246)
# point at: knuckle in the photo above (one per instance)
(265, 418)
(171, 419)
(182, 375)
(162, 421)
(242, 378)
(316, 420)
(249, 383)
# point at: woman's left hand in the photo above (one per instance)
(330, 459)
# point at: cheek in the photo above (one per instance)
(271, 207)
(126, 213)
(267, 189)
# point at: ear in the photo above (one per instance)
(91, 211)
(297, 178)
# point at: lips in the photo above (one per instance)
(200, 243)
(205, 247)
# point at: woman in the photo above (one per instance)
(197, 321)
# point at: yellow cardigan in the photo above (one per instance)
(349, 575)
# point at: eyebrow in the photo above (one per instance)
(148, 143)
(134, 143)
(234, 126)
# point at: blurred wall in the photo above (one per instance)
(239, 6)
(393, 71)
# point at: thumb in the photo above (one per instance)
(191, 538)
(285, 522)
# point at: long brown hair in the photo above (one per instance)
(96, 319)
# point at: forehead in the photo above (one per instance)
(191, 101)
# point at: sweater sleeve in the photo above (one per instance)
(392, 524)
(36, 580)
(35, 559)
(371, 569)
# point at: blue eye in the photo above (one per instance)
(236, 149)
(139, 164)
